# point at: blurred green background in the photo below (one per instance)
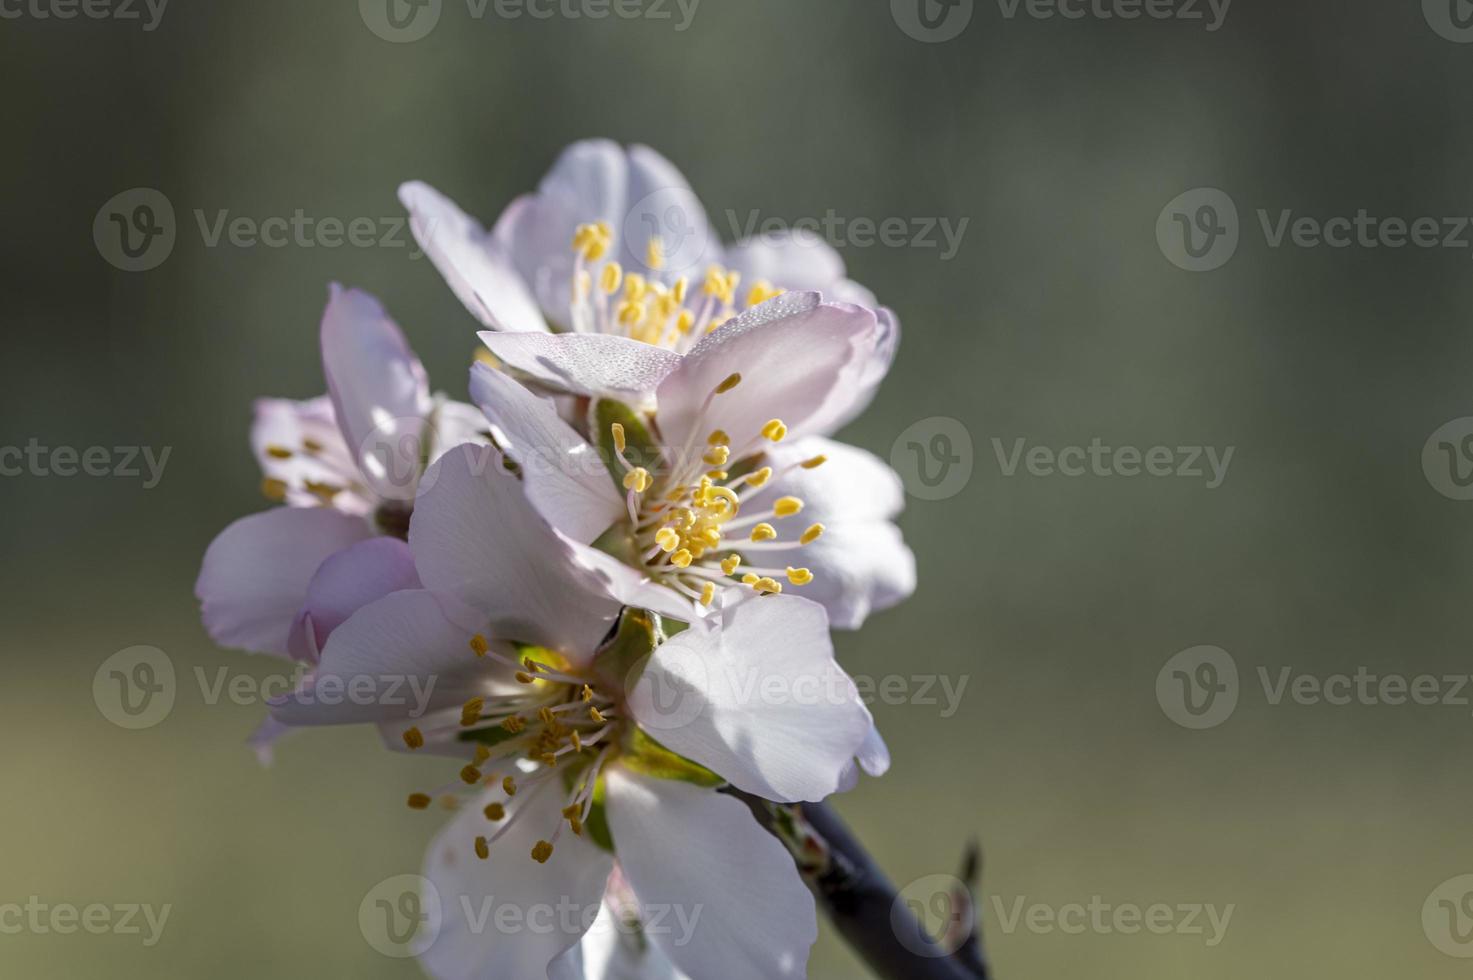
(1059, 320)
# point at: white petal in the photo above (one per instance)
(853, 399)
(637, 192)
(593, 365)
(405, 656)
(454, 423)
(508, 917)
(614, 950)
(734, 904)
(794, 355)
(477, 537)
(346, 582)
(379, 391)
(758, 700)
(476, 267)
(563, 475)
(283, 424)
(255, 573)
(861, 563)
(793, 259)
(631, 587)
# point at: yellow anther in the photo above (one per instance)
(717, 474)
(761, 292)
(678, 291)
(667, 539)
(767, 586)
(542, 852)
(479, 645)
(717, 456)
(635, 287)
(732, 380)
(322, 491)
(273, 490)
(763, 532)
(577, 742)
(576, 825)
(617, 431)
(610, 279)
(278, 452)
(494, 811)
(545, 713)
(730, 564)
(419, 801)
(414, 738)
(587, 693)
(812, 534)
(470, 712)
(637, 479)
(708, 593)
(718, 438)
(654, 255)
(682, 558)
(724, 499)
(514, 724)
(549, 759)
(482, 754)
(311, 446)
(483, 850)
(787, 506)
(751, 578)
(799, 576)
(685, 321)
(509, 786)
(759, 478)
(775, 430)
(470, 775)
(814, 463)
(594, 714)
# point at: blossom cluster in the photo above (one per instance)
(619, 562)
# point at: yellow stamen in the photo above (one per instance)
(767, 586)
(731, 563)
(611, 278)
(717, 456)
(483, 850)
(482, 754)
(775, 430)
(759, 478)
(273, 490)
(812, 534)
(731, 382)
(654, 255)
(524, 678)
(787, 506)
(799, 576)
(419, 801)
(682, 558)
(718, 438)
(763, 532)
(495, 811)
(815, 462)
(594, 714)
(542, 852)
(278, 452)
(637, 479)
(514, 724)
(618, 432)
(479, 645)
(667, 539)
(708, 593)
(509, 786)
(414, 738)
(470, 775)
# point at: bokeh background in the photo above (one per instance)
(1058, 320)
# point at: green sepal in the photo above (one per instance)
(644, 755)
(621, 660)
(486, 736)
(640, 447)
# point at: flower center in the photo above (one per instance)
(684, 519)
(608, 300)
(559, 730)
